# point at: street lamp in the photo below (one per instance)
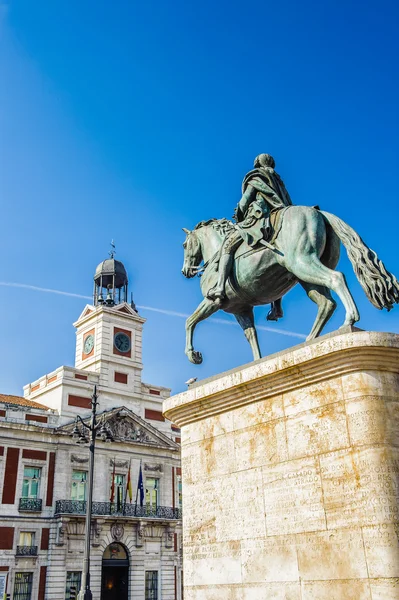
(87, 434)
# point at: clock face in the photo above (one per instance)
(88, 344)
(122, 342)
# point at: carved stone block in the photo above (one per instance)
(140, 535)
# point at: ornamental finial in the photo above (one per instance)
(112, 252)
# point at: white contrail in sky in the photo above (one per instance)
(163, 311)
(40, 289)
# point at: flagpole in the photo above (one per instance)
(129, 487)
(112, 495)
(137, 490)
(130, 481)
(127, 482)
(124, 499)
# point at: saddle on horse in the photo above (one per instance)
(256, 230)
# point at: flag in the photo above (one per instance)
(140, 487)
(119, 498)
(129, 489)
(112, 496)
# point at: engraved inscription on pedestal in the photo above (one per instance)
(293, 497)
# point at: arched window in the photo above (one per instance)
(115, 551)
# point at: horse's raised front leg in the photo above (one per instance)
(203, 311)
(246, 320)
(325, 303)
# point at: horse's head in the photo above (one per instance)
(192, 253)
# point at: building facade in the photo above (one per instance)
(135, 535)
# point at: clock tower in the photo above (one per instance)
(108, 355)
(109, 332)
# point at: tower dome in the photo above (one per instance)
(110, 282)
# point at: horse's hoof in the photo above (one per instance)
(351, 321)
(194, 357)
(274, 315)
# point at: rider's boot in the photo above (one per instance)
(225, 264)
(276, 311)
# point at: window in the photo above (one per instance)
(179, 491)
(73, 582)
(31, 482)
(119, 489)
(151, 492)
(26, 546)
(27, 538)
(23, 586)
(79, 479)
(119, 481)
(151, 585)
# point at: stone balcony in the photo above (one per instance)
(125, 510)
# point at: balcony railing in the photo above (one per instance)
(30, 505)
(78, 507)
(26, 550)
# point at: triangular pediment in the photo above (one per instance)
(88, 309)
(125, 308)
(127, 427)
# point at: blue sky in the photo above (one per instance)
(130, 120)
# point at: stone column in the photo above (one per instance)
(290, 469)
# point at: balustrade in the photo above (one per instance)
(78, 507)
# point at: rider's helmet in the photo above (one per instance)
(264, 160)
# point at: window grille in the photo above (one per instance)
(23, 586)
(151, 585)
(73, 582)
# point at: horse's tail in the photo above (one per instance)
(381, 286)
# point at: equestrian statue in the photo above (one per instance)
(272, 246)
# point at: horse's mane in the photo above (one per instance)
(224, 226)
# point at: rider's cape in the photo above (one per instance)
(270, 194)
(269, 184)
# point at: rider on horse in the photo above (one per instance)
(262, 191)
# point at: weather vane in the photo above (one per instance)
(112, 252)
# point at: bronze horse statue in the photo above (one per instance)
(305, 251)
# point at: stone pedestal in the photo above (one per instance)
(290, 470)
